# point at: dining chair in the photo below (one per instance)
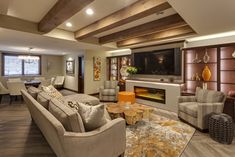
(59, 81)
(14, 79)
(40, 78)
(3, 91)
(43, 80)
(15, 89)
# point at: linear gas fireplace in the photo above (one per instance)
(151, 94)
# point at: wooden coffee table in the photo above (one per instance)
(131, 113)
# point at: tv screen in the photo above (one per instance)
(160, 62)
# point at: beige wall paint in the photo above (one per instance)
(51, 66)
(92, 86)
(71, 81)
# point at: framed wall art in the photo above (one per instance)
(70, 67)
(97, 68)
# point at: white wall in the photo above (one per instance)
(71, 81)
(207, 42)
(91, 86)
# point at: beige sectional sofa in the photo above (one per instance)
(63, 129)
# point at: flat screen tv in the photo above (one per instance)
(159, 62)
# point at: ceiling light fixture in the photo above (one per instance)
(68, 24)
(28, 58)
(89, 11)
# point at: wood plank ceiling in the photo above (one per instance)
(165, 28)
(60, 12)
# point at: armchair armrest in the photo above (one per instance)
(182, 99)
(117, 90)
(100, 91)
(107, 141)
(205, 109)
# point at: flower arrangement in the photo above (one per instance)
(131, 70)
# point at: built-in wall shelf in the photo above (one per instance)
(221, 65)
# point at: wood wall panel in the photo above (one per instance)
(190, 54)
(227, 77)
(226, 52)
(227, 87)
(228, 64)
(191, 85)
(192, 69)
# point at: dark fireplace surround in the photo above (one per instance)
(150, 94)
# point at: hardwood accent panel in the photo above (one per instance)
(227, 87)
(226, 52)
(163, 24)
(172, 33)
(227, 76)
(192, 69)
(190, 54)
(228, 64)
(191, 85)
(137, 10)
(60, 12)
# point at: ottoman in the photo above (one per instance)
(221, 128)
(126, 97)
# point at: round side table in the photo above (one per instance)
(126, 97)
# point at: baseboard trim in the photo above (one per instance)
(70, 90)
(93, 94)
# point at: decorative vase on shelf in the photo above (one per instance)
(206, 57)
(206, 73)
(197, 77)
(196, 60)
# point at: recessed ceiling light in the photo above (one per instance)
(68, 24)
(89, 11)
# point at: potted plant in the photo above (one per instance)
(131, 70)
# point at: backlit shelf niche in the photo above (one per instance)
(195, 63)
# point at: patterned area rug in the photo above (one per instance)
(157, 136)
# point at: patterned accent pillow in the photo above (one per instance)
(74, 105)
(93, 117)
(52, 92)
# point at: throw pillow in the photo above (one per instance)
(93, 117)
(52, 92)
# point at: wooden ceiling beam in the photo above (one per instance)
(135, 11)
(60, 12)
(160, 25)
(172, 33)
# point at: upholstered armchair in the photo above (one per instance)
(15, 88)
(58, 82)
(3, 91)
(195, 109)
(109, 92)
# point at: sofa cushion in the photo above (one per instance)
(69, 118)
(83, 98)
(93, 116)
(52, 92)
(208, 96)
(43, 99)
(33, 91)
(109, 92)
(110, 84)
(190, 108)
